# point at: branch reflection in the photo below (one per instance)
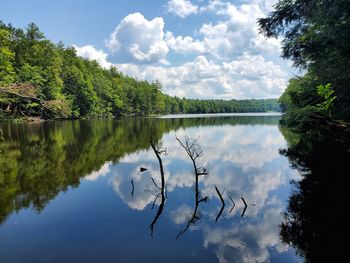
(158, 151)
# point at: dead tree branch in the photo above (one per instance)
(161, 188)
(194, 151)
(25, 97)
(222, 202)
(245, 206)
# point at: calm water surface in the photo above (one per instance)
(73, 191)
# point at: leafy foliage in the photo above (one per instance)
(75, 87)
(326, 92)
(7, 73)
(316, 36)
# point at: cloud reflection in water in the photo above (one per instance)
(242, 160)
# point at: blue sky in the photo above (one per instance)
(196, 48)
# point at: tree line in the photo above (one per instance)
(41, 78)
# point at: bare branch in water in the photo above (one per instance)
(222, 202)
(155, 200)
(161, 188)
(245, 206)
(194, 151)
(205, 199)
(155, 184)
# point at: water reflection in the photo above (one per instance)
(114, 161)
(250, 241)
(194, 152)
(158, 151)
(315, 220)
(227, 153)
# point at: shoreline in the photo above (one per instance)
(167, 116)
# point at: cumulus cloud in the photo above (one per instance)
(227, 39)
(227, 153)
(91, 53)
(249, 242)
(231, 59)
(184, 45)
(248, 76)
(226, 59)
(238, 32)
(240, 159)
(144, 189)
(104, 170)
(139, 40)
(181, 215)
(182, 8)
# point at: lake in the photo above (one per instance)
(91, 190)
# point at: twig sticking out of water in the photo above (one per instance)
(222, 202)
(245, 206)
(194, 151)
(158, 152)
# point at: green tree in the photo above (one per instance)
(316, 37)
(7, 72)
(327, 93)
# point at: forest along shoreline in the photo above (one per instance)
(45, 80)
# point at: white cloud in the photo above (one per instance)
(238, 33)
(139, 40)
(182, 8)
(248, 242)
(249, 76)
(265, 5)
(239, 159)
(227, 152)
(233, 60)
(104, 170)
(182, 214)
(184, 45)
(227, 59)
(227, 39)
(143, 188)
(91, 53)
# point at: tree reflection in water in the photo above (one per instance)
(194, 151)
(315, 220)
(158, 151)
(38, 161)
